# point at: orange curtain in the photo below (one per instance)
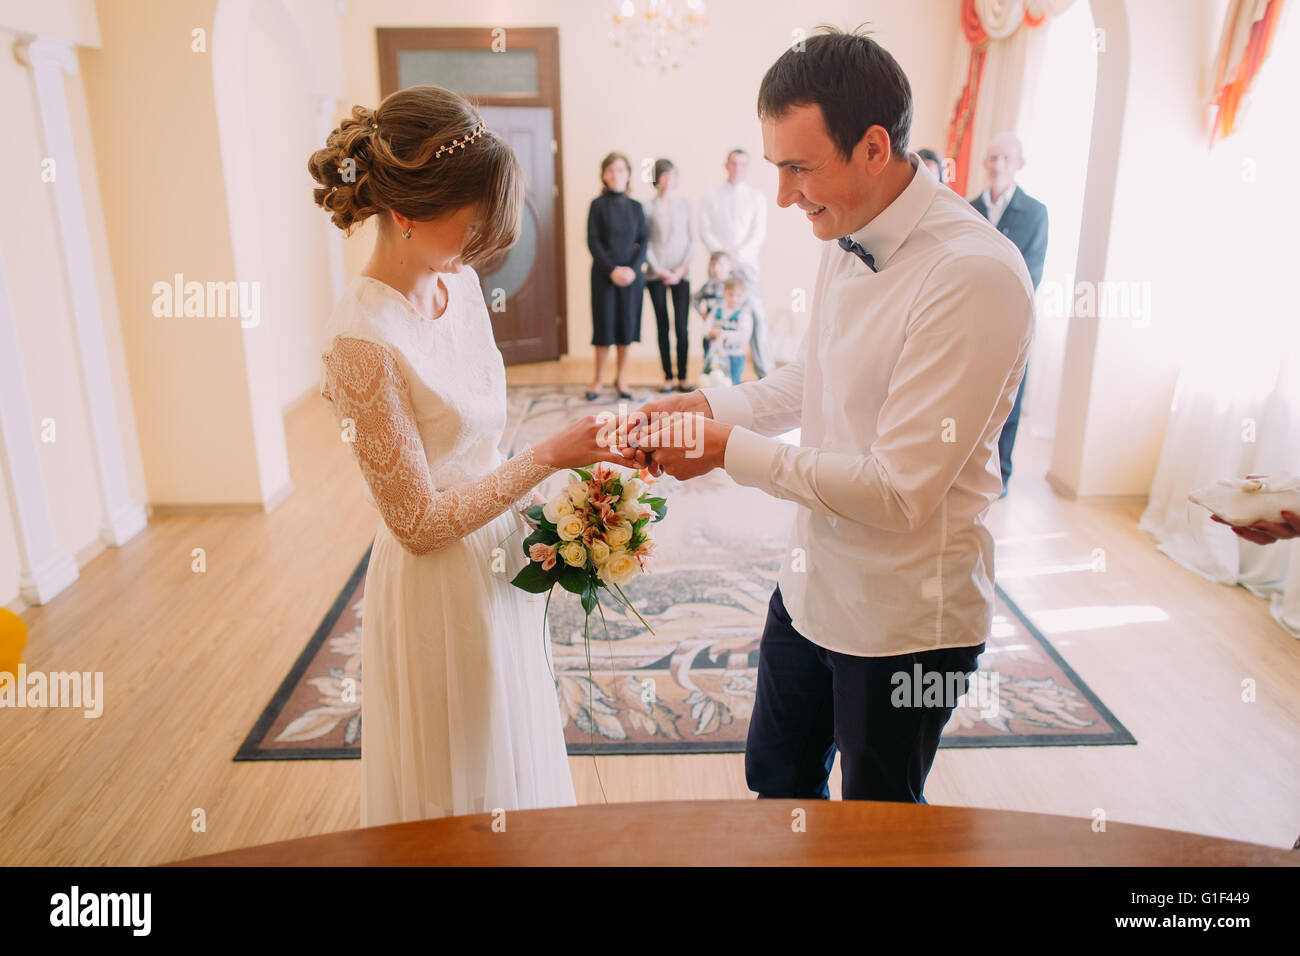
(959, 129)
(962, 123)
(1247, 38)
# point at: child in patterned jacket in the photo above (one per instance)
(729, 326)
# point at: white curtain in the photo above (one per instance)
(1236, 408)
(1216, 432)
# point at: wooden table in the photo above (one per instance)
(755, 832)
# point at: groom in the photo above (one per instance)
(920, 326)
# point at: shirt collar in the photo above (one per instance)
(1002, 203)
(884, 234)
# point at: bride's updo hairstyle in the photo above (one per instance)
(423, 155)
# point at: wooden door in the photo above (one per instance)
(519, 286)
(512, 78)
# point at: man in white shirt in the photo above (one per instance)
(920, 326)
(733, 219)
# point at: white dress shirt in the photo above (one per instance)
(900, 388)
(733, 218)
(996, 209)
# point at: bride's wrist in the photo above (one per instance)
(543, 455)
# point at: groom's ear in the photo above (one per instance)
(873, 151)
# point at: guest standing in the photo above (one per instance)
(934, 162)
(672, 241)
(733, 219)
(617, 236)
(1023, 220)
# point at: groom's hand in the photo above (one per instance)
(685, 445)
(690, 402)
(649, 413)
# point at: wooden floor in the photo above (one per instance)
(191, 659)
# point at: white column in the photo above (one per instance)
(43, 570)
(327, 108)
(49, 59)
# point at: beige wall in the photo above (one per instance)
(155, 134)
(693, 116)
(281, 115)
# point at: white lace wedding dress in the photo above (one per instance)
(459, 711)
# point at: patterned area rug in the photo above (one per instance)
(689, 686)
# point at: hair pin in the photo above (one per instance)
(461, 143)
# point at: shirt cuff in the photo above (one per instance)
(749, 458)
(729, 405)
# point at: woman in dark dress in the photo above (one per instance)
(617, 236)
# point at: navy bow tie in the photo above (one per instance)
(850, 245)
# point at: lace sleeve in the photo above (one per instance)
(364, 384)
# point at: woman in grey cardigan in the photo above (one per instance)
(672, 241)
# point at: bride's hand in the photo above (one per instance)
(582, 443)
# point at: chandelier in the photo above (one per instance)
(658, 32)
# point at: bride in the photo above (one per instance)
(459, 713)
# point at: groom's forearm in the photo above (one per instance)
(700, 404)
(856, 487)
(771, 406)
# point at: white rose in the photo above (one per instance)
(599, 552)
(571, 527)
(633, 489)
(557, 508)
(577, 492)
(632, 509)
(620, 568)
(574, 554)
(619, 535)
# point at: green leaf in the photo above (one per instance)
(533, 579)
(574, 580)
(535, 514)
(586, 475)
(540, 536)
(589, 599)
(653, 502)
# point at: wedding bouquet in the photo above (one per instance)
(592, 535)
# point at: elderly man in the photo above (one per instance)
(1023, 220)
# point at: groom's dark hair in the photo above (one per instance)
(854, 81)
